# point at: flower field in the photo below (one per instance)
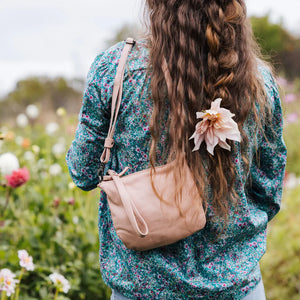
(46, 214)
(48, 227)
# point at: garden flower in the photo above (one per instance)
(217, 126)
(61, 112)
(25, 143)
(55, 169)
(32, 111)
(9, 135)
(281, 81)
(71, 201)
(8, 163)
(71, 185)
(60, 282)
(292, 118)
(36, 149)
(58, 149)
(28, 155)
(56, 202)
(18, 177)
(25, 260)
(7, 281)
(75, 220)
(22, 120)
(289, 98)
(51, 128)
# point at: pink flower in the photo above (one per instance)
(281, 81)
(289, 98)
(217, 126)
(71, 201)
(25, 260)
(292, 118)
(7, 281)
(18, 177)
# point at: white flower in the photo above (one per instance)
(25, 260)
(60, 282)
(55, 169)
(22, 120)
(58, 149)
(36, 149)
(51, 128)
(7, 281)
(75, 220)
(28, 155)
(71, 185)
(292, 181)
(8, 163)
(19, 140)
(61, 112)
(32, 111)
(41, 162)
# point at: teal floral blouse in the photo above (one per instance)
(200, 266)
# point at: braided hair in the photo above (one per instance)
(210, 53)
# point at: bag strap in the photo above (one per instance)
(116, 102)
(115, 106)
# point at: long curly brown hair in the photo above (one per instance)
(210, 53)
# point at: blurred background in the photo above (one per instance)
(46, 50)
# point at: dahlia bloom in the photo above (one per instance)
(216, 126)
(18, 177)
(25, 260)
(8, 163)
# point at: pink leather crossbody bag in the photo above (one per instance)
(141, 220)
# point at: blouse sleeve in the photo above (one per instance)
(267, 172)
(83, 157)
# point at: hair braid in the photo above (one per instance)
(210, 53)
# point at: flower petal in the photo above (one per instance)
(224, 145)
(211, 140)
(215, 105)
(200, 114)
(198, 142)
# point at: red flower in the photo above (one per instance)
(18, 177)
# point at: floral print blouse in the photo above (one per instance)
(200, 266)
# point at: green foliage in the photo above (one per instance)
(127, 30)
(277, 45)
(60, 235)
(28, 91)
(281, 263)
(291, 131)
(48, 93)
(273, 38)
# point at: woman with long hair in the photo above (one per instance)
(212, 59)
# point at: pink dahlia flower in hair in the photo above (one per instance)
(216, 126)
(18, 177)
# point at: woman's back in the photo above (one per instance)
(213, 263)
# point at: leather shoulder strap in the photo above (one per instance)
(116, 100)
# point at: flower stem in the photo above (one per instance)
(18, 286)
(8, 193)
(3, 295)
(56, 294)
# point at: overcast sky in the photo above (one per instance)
(62, 37)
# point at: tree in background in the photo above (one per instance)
(127, 30)
(49, 93)
(278, 46)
